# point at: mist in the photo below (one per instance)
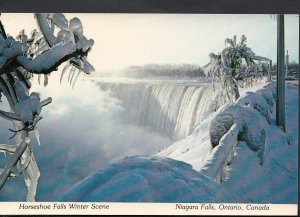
(82, 130)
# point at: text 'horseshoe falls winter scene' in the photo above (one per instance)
(178, 108)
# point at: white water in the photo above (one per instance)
(172, 108)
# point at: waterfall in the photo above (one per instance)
(173, 109)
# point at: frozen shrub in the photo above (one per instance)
(235, 66)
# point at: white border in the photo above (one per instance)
(121, 208)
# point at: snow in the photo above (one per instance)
(173, 174)
(192, 149)
(247, 180)
(146, 179)
(268, 96)
(250, 123)
(257, 102)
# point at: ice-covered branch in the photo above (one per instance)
(13, 161)
(44, 28)
(8, 148)
(48, 61)
(9, 116)
(41, 54)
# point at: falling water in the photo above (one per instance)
(174, 109)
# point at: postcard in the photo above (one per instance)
(149, 113)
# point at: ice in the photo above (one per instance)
(76, 26)
(7, 89)
(14, 159)
(48, 60)
(64, 36)
(64, 71)
(60, 20)
(31, 175)
(37, 135)
(45, 80)
(45, 29)
(75, 80)
(21, 90)
(88, 68)
(9, 116)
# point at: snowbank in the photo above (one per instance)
(147, 179)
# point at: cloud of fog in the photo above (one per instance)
(82, 130)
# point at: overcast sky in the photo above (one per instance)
(135, 39)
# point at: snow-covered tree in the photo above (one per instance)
(237, 65)
(57, 40)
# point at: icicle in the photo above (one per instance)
(31, 175)
(64, 70)
(72, 76)
(39, 78)
(37, 135)
(23, 165)
(78, 73)
(45, 80)
(71, 71)
(10, 89)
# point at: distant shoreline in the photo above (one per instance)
(293, 82)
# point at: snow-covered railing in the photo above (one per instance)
(221, 156)
(246, 119)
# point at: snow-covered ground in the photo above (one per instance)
(161, 179)
(147, 179)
